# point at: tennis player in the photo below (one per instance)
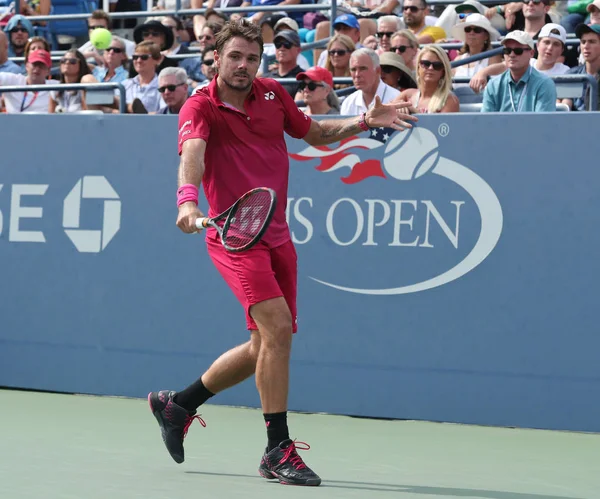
(231, 139)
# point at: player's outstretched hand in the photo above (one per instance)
(186, 219)
(397, 115)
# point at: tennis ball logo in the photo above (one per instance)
(410, 155)
(101, 38)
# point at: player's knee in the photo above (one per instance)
(278, 336)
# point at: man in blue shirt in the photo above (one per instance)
(7, 66)
(590, 50)
(521, 88)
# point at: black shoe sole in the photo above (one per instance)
(270, 475)
(157, 414)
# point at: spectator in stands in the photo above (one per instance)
(282, 24)
(207, 35)
(267, 27)
(114, 59)
(395, 73)
(551, 44)
(100, 19)
(73, 69)
(316, 90)
(162, 36)
(172, 84)
(211, 15)
(414, 13)
(405, 43)
(528, 16)
(590, 49)
(191, 64)
(371, 42)
(19, 30)
(287, 48)
(6, 66)
(209, 69)
(144, 86)
(386, 27)
(346, 24)
(594, 10)
(520, 88)
(477, 34)
(339, 50)
(36, 43)
(35, 8)
(434, 82)
(366, 76)
(38, 69)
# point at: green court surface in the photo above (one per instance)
(82, 447)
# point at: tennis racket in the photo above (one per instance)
(243, 224)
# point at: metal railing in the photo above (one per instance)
(71, 86)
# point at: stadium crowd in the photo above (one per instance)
(389, 49)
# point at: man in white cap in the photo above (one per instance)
(550, 46)
(594, 10)
(520, 89)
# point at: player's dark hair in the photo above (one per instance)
(241, 28)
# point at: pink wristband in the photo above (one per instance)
(187, 193)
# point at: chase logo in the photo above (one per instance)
(412, 161)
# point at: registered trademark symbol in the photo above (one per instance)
(443, 130)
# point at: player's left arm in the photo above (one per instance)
(393, 115)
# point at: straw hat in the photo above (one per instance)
(458, 31)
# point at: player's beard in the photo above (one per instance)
(240, 86)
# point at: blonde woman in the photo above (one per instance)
(337, 62)
(405, 44)
(434, 79)
(477, 34)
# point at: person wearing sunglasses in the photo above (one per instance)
(386, 27)
(287, 48)
(114, 59)
(316, 90)
(395, 73)
(339, 50)
(144, 86)
(414, 14)
(405, 44)
(521, 88)
(100, 19)
(434, 83)
(172, 85)
(19, 30)
(73, 69)
(209, 68)
(477, 35)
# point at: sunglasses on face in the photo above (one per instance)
(517, 51)
(311, 85)
(95, 26)
(535, 2)
(69, 60)
(474, 29)
(284, 44)
(338, 52)
(170, 88)
(208, 62)
(437, 66)
(150, 33)
(143, 57)
(388, 69)
(414, 9)
(19, 30)
(206, 37)
(381, 34)
(116, 50)
(400, 49)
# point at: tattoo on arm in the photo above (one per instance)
(334, 130)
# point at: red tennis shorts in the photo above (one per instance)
(258, 274)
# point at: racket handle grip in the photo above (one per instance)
(201, 223)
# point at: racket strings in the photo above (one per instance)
(249, 219)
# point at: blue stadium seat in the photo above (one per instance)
(74, 28)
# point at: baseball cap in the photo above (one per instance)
(317, 74)
(348, 20)
(521, 37)
(582, 29)
(550, 31)
(290, 36)
(469, 6)
(40, 56)
(595, 3)
(287, 21)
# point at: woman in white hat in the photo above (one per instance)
(477, 34)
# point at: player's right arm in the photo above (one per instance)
(191, 171)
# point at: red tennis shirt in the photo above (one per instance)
(245, 151)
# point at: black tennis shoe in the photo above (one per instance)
(174, 421)
(284, 463)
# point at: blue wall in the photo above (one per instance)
(457, 284)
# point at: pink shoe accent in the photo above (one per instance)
(188, 422)
(292, 455)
